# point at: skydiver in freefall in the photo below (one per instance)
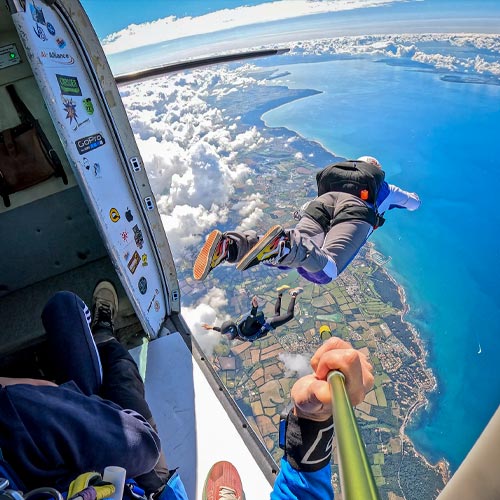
(353, 197)
(253, 325)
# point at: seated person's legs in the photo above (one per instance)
(108, 369)
(72, 350)
(122, 382)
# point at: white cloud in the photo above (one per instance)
(208, 310)
(408, 46)
(191, 152)
(170, 28)
(250, 211)
(296, 364)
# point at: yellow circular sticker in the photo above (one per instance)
(114, 215)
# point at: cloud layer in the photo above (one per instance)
(467, 53)
(191, 152)
(207, 310)
(171, 28)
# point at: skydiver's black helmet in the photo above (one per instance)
(229, 328)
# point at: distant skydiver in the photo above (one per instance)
(253, 325)
(352, 199)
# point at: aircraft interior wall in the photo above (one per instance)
(49, 240)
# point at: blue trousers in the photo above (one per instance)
(105, 369)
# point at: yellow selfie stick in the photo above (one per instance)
(356, 476)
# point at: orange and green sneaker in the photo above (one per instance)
(270, 249)
(214, 252)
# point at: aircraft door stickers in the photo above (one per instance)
(40, 33)
(73, 100)
(54, 58)
(139, 240)
(143, 285)
(71, 114)
(153, 299)
(133, 262)
(88, 106)
(37, 14)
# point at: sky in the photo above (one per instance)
(245, 24)
(113, 15)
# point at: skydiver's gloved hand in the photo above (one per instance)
(255, 302)
(309, 425)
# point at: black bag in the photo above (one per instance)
(26, 156)
(354, 177)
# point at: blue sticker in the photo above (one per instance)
(143, 285)
(51, 29)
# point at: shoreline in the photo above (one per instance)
(442, 465)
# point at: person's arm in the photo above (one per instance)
(398, 198)
(209, 327)
(305, 469)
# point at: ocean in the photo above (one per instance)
(439, 139)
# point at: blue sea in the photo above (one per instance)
(441, 140)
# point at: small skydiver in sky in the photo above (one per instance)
(352, 199)
(253, 325)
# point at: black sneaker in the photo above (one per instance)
(271, 249)
(104, 306)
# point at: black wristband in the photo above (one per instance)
(307, 443)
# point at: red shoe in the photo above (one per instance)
(223, 483)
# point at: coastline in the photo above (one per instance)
(442, 465)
